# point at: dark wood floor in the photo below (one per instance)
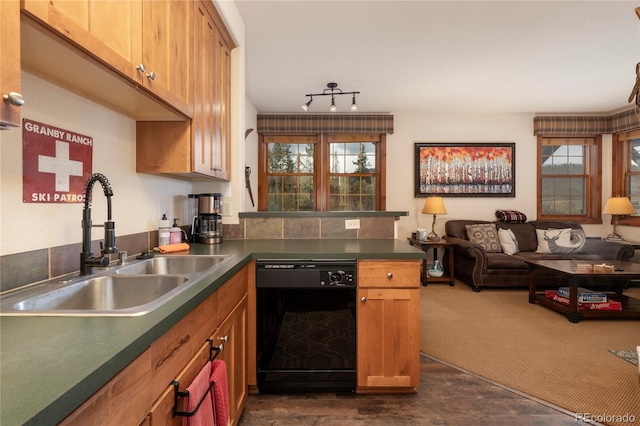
(446, 396)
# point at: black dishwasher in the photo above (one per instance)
(306, 325)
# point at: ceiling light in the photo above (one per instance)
(305, 107)
(333, 107)
(354, 106)
(333, 91)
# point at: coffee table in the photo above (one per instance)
(581, 273)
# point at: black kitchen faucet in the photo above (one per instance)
(87, 260)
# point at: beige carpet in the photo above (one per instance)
(499, 335)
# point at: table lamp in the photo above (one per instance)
(617, 206)
(434, 206)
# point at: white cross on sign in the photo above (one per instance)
(60, 165)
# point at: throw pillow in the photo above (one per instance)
(508, 241)
(560, 241)
(485, 235)
(511, 216)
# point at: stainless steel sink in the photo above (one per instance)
(115, 294)
(130, 290)
(172, 265)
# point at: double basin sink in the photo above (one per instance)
(128, 290)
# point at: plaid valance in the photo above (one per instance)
(586, 125)
(325, 123)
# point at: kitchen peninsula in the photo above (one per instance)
(50, 365)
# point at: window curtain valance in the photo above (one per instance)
(322, 123)
(585, 125)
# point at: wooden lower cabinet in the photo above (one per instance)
(230, 338)
(388, 321)
(142, 392)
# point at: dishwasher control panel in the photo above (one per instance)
(305, 273)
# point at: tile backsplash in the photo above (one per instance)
(20, 269)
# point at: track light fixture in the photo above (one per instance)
(333, 91)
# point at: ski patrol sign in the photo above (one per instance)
(56, 164)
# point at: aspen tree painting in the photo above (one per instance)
(465, 169)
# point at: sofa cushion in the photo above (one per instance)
(457, 228)
(525, 234)
(508, 241)
(485, 235)
(500, 261)
(560, 241)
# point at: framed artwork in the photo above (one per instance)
(465, 169)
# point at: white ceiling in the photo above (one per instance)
(432, 57)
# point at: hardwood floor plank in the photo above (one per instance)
(446, 396)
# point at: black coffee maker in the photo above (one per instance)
(206, 227)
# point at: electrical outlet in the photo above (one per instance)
(352, 224)
(225, 206)
(163, 208)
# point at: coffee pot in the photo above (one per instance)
(206, 226)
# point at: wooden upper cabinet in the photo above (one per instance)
(199, 150)
(111, 30)
(222, 113)
(203, 124)
(166, 51)
(129, 36)
(9, 61)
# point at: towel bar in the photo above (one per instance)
(214, 351)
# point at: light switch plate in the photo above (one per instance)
(225, 206)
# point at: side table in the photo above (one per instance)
(425, 245)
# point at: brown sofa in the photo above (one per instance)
(478, 269)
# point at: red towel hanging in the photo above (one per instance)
(220, 392)
(200, 393)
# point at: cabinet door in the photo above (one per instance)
(203, 123)
(166, 50)
(222, 104)
(9, 60)
(110, 30)
(161, 413)
(388, 338)
(232, 337)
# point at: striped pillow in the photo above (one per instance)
(511, 216)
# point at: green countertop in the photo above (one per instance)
(51, 365)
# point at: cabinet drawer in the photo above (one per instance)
(389, 273)
(162, 411)
(123, 400)
(172, 350)
(232, 292)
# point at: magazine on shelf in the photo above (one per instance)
(611, 305)
(585, 295)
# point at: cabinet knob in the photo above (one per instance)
(389, 275)
(141, 68)
(224, 339)
(363, 300)
(13, 98)
(151, 76)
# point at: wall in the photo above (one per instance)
(518, 128)
(29, 226)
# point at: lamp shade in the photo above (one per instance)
(434, 205)
(618, 206)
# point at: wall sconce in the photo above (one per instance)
(617, 206)
(434, 206)
(333, 91)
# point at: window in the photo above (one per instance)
(569, 178)
(626, 172)
(326, 172)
